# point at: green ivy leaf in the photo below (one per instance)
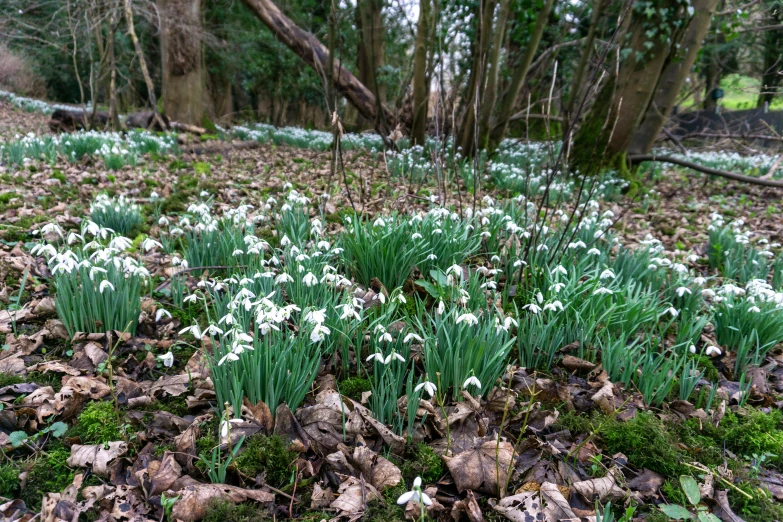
(676, 512)
(17, 438)
(58, 429)
(691, 489)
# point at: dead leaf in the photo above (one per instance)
(353, 497)
(482, 468)
(522, 507)
(167, 473)
(556, 507)
(380, 472)
(96, 455)
(600, 488)
(194, 499)
(468, 507)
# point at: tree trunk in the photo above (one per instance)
(315, 54)
(143, 64)
(621, 103)
(491, 87)
(509, 99)
(773, 57)
(113, 111)
(467, 138)
(673, 76)
(181, 60)
(421, 91)
(584, 59)
(371, 54)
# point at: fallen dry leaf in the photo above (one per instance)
(482, 468)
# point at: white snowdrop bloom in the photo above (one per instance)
(533, 307)
(348, 311)
(469, 318)
(195, 330)
(214, 329)
(432, 257)
(379, 223)
(671, 311)
(309, 279)
(95, 270)
(699, 280)
(416, 236)
(428, 387)
(472, 380)
(120, 243)
(167, 359)
(415, 495)
(385, 336)
(577, 244)
(603, 291)
(755, 309)
(285, 241)
(441, 308)
(104, 285)
(284, 278)
(540, 297)
(149, 243)
(607, 274)
(692, 258)
(323, 245)
(559, 269)
(713, 351)
(400, 298)
(454, 269)
(495, 259)
(192, 298)
(160, 313)
(412, 337)
(319, 333)
(492, 285)
(316, 316)
(557, 287)
(377, 356)
(73, 237)
(692, 348)
(554, 306)
(394, 357)
(52, 227)
(163, 221)
(380, 297)
(681, 291)
(230, 356)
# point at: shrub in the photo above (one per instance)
(17, 75)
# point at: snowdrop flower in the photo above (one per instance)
(167, 359)
(52, 227)
(607, 274)
(755, 309)
(454, 269)
(471, 380)
(316, 316)
(94, 270)
(120, 243)
(385, 336)
(671, 311)
(214, 330)
(160, 313)
(559, 269)
(309, 279)
(379, 223)
(163, 221)
(319, 333)
(692, 348)
(348, 311)
(415, 494)
(681, 291)
(432, 257)
(378, 356)
(192, 298)
(400, 298)
(593, 252)
(557, 287)
(468, 318)
(195, 330)
(533, 307)
(713, 351)
(73, 237)
(416, 236)
(285, 241)
(554, 306)
(603, 291)
(283, 278)
(412, 337)
(230, 356)
(149, 243)
(104, 285)
(441, 308)
(428, 387)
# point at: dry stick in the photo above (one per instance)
(727, 136)
(707, 170)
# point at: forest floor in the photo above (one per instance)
(567, 424)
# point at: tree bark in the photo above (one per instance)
(113, 111)
(491, 87)
(315, 54)
(143, 65)
(621, 103)
(509, 99)
(421, 91)
(182, 63)
(773, 58)
(584, 59)
(673, 76)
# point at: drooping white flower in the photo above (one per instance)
(195, 330)
(309, 279)
(472, 380)
(554, 306)
(602, 291)
(385, 336)
(428, 387)
(149, 243)
(607, 274)
(415, 495)
(284, 278)
(671, 311)
(469, 318)
(400, 298)
(681, 291)
(441, 308)
(104, 285)
(167, 359)
(533, 307)
(713, 351)
(319, 333)
(412, 336)
(160, 313)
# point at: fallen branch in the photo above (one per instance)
(707, 170)
(731, 136)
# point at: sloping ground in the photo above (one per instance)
(128, 424)
(14, 121)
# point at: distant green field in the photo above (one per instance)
(741, 92)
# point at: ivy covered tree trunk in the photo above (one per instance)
(181, 60)
(772, 71)
(673, 76)
(421, 91)
(622, 101)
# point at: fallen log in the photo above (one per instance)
(70, 120)
(707, 170)
(147, 120)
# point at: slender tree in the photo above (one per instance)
(421, 91)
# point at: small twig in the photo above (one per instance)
(707, 170)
